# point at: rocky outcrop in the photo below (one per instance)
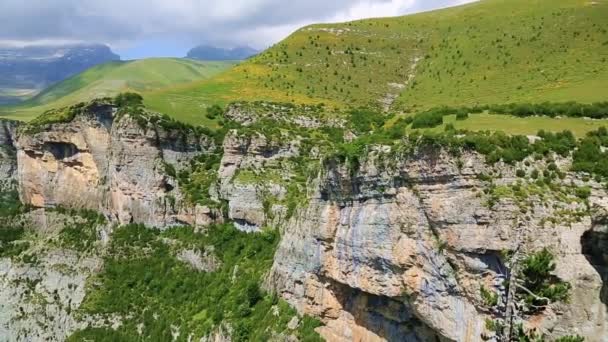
(395, 247)
(41, 291)
(254, 155)
(116, 165)
(8, 160)
(399, 251)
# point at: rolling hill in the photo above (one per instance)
(491, 51)
(25, 71)
(111, 78)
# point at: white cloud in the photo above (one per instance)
(257, 22)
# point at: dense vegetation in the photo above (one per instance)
(537, 275)
(434, 117)
(144, 281)
(12, 231)
(82, 233)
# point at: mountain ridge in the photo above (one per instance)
(466, 55)
(25, 71)
(212, 53)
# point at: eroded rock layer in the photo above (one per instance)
(99, 162)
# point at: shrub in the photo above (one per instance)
(570, 338)
(366, 120)
(583, 192)
(144, 281)
(538, 278)
(427, 120)
(128, 100)
(534, 174)
(490, 298)
(214, 112)
(462, 115)
(520, 173)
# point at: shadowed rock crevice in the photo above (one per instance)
(61, 150)
(388, 318)
(595, 248)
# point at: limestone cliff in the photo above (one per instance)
(400, 252)
(8, 162)
(100, 161)
(410, 243)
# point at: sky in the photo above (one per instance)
(169, 28)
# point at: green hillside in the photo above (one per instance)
(492, 51)
(112, 78)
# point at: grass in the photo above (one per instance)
(521, 126)
(487, 52)
(143, 76)
(492, 51)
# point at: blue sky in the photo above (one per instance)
(155, 28)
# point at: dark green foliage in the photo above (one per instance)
(499, 146)
(142, 278)
(570, 338)
(561, 143)
(11, 231)
(63, 115)
(198, 179)
(10, 204)
(366, 120)
(10, 244)
(214, 112)
(538, 278)
(170, 170)
(589, 156)
(306, 331)
(81, 235)
(583, 192)
(102, 335)
(462, 115)
(571, 109)
(427, 120)
(128, 100)
(521, 335)
(534, 174)
(490, 298)
(520, 173)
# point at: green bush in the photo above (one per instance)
(490, 298)
(427, 120)
(143, 281)
(214, 112)
(583, 192)
(128, 100)
(365, 120)
(537, 277)
(462, 115)
(571, 338)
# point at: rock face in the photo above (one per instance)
(39, 297)
(399, 252)
(252, 154)
(8, 160)
(394, 248)
(114, 165)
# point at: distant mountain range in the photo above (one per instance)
(25, 71)
(212, 53)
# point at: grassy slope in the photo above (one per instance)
(522, 126)
(109, 79)
(493, 51)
